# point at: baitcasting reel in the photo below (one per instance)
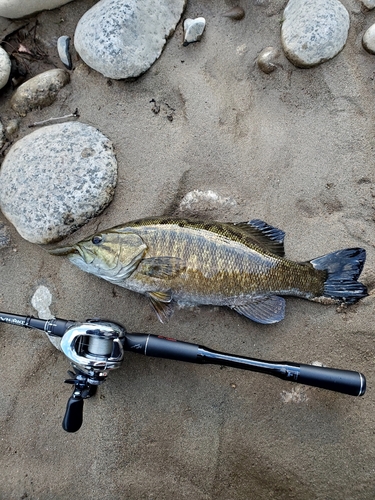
(96, 347)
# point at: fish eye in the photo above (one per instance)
(97, 240)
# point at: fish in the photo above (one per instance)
(238, 265)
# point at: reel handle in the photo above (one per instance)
(73, 417)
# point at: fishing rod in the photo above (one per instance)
(96, 347)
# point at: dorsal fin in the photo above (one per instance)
(261, 233)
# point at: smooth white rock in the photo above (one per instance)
(368, 40)
(370, 4)
(55, 179)
(41, 300)
(193, 29)
(5, 67)
(205, 200)
(314, 31)
(123, 39)
(39, 91)
(14, 9)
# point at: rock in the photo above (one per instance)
(63, 43)
(14, 9)
(202, 201)
(370, 4)
(193, 30)
(55, 179)
(41, 300)
(313, 31)
(266, 59)
(123, 39)
(5, 67)
(236, 13)
(2, 135)
(4, 235)
(39, 91)
(368, 40)
(12, 127)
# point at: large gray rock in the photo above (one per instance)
(56, 179)
(313, 31)
(123, 39)
(20, 8)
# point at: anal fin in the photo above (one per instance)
(267, 310)
(161, 304)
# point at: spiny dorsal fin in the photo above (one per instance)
(261, 233)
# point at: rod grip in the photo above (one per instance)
(344, 381)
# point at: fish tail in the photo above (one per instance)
(343, 269)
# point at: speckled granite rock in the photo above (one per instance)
(123, 39)
(21, 8)
(314, 31)
(39, 91)
(56, 179)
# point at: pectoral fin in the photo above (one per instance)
(162, 267)
(161, 303)
(267, 310)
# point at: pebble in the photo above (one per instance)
(201, 201)
(2, 135)
(13, 9)
(56, 179)
(4, 235)
(63, 43)
(370, 4)
(193, 30)
(368, 40)
(266, 59)
(123, 39)
(39, 91)
(314, 31)
(236, 13)
(5, 67)
(41, 300)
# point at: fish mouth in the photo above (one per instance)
(75, 252)
(63, 250)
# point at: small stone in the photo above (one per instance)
(5, 67)
(368, 40)
(40, 91)
(370, 4)
(202, 201)
(41, 300)
(63, 43)
(314, 31)
(4, 235)
(266, 59)
(49, 184)
(193, 30)
(123, 39)
(236, 13)
(2, 135)
(12, 127)
(13, 9)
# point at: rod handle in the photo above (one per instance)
(333, 379)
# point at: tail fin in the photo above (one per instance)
(343, 268)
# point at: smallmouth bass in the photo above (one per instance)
(239, 265)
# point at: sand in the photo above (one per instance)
(294, 148)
